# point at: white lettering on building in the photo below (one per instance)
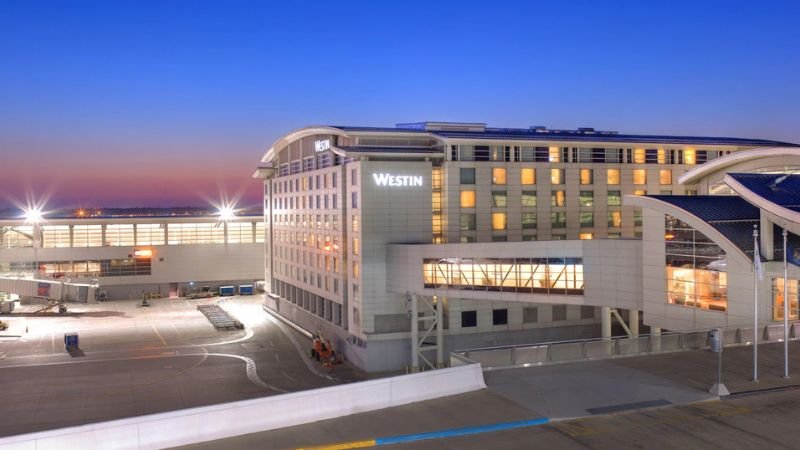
(385, 179)
(322, 145)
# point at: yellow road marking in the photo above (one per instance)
(343, 446)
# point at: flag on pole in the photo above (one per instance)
(759, 268)
(793, 255)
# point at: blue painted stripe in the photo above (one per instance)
(461, 431)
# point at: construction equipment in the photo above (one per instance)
(322, 350)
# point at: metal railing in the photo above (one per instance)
(525, 355)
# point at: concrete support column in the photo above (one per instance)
(414, 333)
(655, 338)
(766, 236)
(605, 316)
(633, 322)
(439, 332)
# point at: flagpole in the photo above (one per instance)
(756, 265)
(785, 307)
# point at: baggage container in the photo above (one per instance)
(226, 291)
(246, 289)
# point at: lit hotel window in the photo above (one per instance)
(528, 176)
(555, 155)
(689, 156)
(777, 299)
(587, 219)
(587, 176)
(467, 199)
(613, 176)
(557, 198)
(639, 192)
(498, 221)
(586, 236)
(498, 175)
(639, 176)
(556, 176)
(638, 156)
(665, 176)
(615, 218)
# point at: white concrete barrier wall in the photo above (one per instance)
(249, 416)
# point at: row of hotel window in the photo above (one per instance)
(554, 276)
(557, 176)
(530, 314)
(582, 154)
(303, 184)
(308, 164)
(63, 236)
(468, 222)
(557, 198)
(321, 306)
(80, 269)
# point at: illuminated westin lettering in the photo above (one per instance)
(322, 145)
(385, 179)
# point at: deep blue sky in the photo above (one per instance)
(171, 102)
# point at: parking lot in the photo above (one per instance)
(137, 360)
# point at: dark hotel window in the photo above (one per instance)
(500, 317)
(469, 319)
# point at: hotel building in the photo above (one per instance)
(507, 235)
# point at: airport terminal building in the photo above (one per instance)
(504, 235)
(121, 258)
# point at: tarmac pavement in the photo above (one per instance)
(139, 360)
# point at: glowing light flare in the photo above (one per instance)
(226, 213)
(143, 253)
(33, 214)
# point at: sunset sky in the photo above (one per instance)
(171, 103)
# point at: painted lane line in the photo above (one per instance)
(252, 372)
(344, 446)
(461, 431)
(441, 434)
(306, 360)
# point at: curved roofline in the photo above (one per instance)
(761, 202)
(299, 133)
(684, 215)
(726, 161)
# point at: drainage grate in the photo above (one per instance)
(628, 406)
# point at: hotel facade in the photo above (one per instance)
(431, 237)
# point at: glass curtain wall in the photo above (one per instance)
(555, 276)
(695, 268)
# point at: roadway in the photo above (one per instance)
(138, 360)
(655, 401)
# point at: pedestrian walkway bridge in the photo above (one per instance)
(47, 289)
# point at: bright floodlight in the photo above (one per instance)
(33, 215)
(226, 213)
